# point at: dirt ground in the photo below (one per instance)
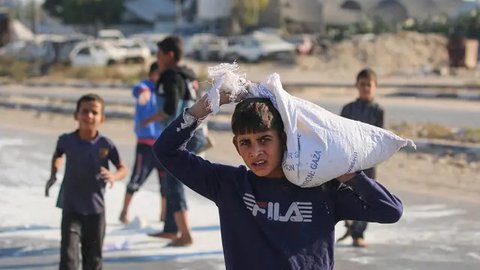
(451, 176)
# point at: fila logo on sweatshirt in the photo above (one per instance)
(295, 212)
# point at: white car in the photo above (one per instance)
(96, 53)
(150, 39)
(258, 46)
(205, 46)
(110, 34)
(135, 50)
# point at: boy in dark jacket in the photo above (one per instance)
(266, 221)
(175, 92)
(366, 110)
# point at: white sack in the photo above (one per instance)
(320, 145)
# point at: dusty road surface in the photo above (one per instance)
(439, 229)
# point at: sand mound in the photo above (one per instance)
(404, 53)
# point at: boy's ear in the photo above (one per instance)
(234, 141)
(75, 116)
(171, 55)
(103, 118)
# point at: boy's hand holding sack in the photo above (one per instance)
(320, 145)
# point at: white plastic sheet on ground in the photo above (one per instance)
(320, 145)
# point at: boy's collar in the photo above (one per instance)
(97, 136)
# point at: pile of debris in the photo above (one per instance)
(404, 53)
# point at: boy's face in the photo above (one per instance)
(262, 152)
(366, 88)
(164, 59)
(154, 76)
(89, 115)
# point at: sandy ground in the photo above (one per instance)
(452, 176)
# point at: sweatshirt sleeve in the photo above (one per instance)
(60, 147)
(365, 199)
(138, 88)
(198, 174)
(172, 87)
(344, 112)
(380, 118)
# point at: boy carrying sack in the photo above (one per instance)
(266, 221)
(320, 145)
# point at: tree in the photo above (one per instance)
(85, 12)
(467, 25)
(247, 12)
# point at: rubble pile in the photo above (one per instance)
(404, 53)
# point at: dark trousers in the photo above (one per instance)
(85, 232)
(145, 162)
(358, 228)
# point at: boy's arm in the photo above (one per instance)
(136, 89)
(55, 165)
(142, 93)
(362, 198)
(381, 117)
(159, 116)
(172, 97)
(121, 171)
(172, 91)
(110, 177)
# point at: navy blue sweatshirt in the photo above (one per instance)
(271, 223)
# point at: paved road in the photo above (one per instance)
(434, 233)
(448, 112)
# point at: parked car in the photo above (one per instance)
(110, 34)
(150, 40)
(96, 53)
(258, 46)
(135, 50)
(205, 47)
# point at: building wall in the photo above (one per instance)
(214, 9)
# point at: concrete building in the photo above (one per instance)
(171, 15)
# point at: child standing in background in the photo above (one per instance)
(145, 162)
(366, 110)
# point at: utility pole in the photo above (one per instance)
(33, 15)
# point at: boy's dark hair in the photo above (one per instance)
(256, 115)
(172, 44)
(153, 68)
(90, 97)
(367, 74)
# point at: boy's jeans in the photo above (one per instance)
(174, 190)
(87, 230)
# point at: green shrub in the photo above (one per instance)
(470, 135)
(435, 131)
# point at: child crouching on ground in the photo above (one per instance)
(267, 222)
